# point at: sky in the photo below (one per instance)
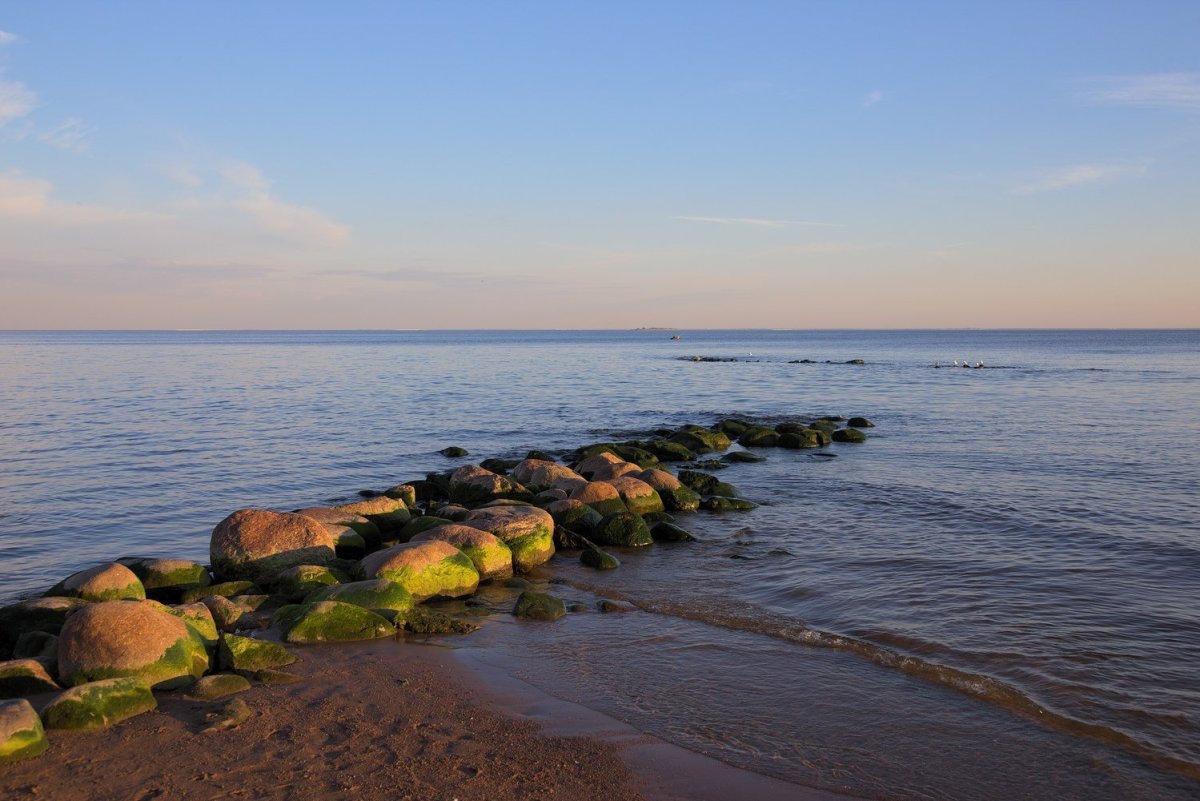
(314, 165)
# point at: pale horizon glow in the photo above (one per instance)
(468, 166)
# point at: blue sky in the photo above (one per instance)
(461, 165)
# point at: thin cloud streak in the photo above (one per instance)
(71, 134)
(7, 38)
(757, 222)
(872, 98)
(1170, 90)
(15, 101)
(1077, 175)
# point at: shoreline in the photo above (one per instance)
(382, 719)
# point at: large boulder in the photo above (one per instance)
(255, 542)
(600, 461)
(130, 638)
(425, 569)
(107, 582)
(639, 497)
(337, 519)
(21, 732)
(624, 529)
(540, 474)
(472, 484)
(20, 677)
(491, 557)
(675, 496)
(99, 704)
(167, 579)
(384, 597)
(388, 513)
(37, 614)
(611, 471)
(527, 530)
(602, 497)
(330, 621)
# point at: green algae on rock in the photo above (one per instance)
(664, 531)
(167, 579)
(329, 621)
(200, 618)
(255, 542)
(226, 589)
(638, 496)
(110, 581)
(539, 606)
(491, 556)
(246, 654)
(296, 582)
(423, 620)
(383, 597)
(21, 732)
(598, 559)
(114, 639)
(527, 531)
(426, 569)
(758, 437)
(623, 529)
(20, 677)
(472, 484)
(706, 484)
(218, 685)
(601, 496)
(388, 513)
(721, 503)
(99, 704)
(849, 435)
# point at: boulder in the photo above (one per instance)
(403, 492)
(296, 582)
(701, 440)
(639, 497)
(227, 615)
(758, 437)
(731, 428)
(21, 732)
(246, 654)
(634, 453)
(547, 497)
(36, 614)
(338, 518)
(611, 471)
(605, 459)
(347, 543)
(218, 685)
(669, 532)
(425, 569)
(602, 497)
(743, 456)
(99, 704)
(130, 638)
(624, 529)
(167, 579)
(574, 514)
(255, 542)
(452, 512)
(675, 496)
(200, 618)
(381, 596)
(20, 677)
(804, 438)
(721, 503)
(388, 513)
(107, 582)
(706, 484)
(491, 557)
(539, 606)
(419, 524)
(226, 589)
(849, 435)
(598, 559)
(527, 531)
(330, 621)
(472, 484)
(828, 426)
(454, 452)
(540, 474)
(667, 451)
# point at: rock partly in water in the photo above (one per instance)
(471, 484)
(849, 435)
(110, 581)
(114, 639)
(573, 514)
(623, 529)
(426, 569)
(246, 654)
(721, 503)
(403, 492)
(254, 542)
(859, 422)
(491, 556)
(388, 513)
(638, 496)
(601, 496)
(423, 620)
(759, 437)
(527, 531)
(454, 452)
(218, 685)
(675, 496)
(743, 456)
(667, 451)
(706, 484)
(21, 677)
(538, 606)
(669, 532)
(701, 440)
(21, 732)
(329, 621)
(383, 597)
(598, 559)
(99, 704)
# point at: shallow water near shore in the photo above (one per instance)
(994, 596)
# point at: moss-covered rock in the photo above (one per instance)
(602, 497)
(667, 451)
(669, 532)
(454, 452)
(588, 466)
(471, 484)
(849, 435)
(804, 438)
(36, 614)
(200, 618)
(388, 513)
(246, 654)
(638, 496)
(114, 639)
(20, 677)
(719, 503)
(420, 524)
(403, 492)
(758, 437)
(227, 615)
(226, 589)
(426, 569)
(574, 514)
(828, 426)
(348, 543)
(732, 428)
(706, 484)
(110, 581)
(167, 579)
(491, 556)
(538, 606)
(540, 474)
(423, 620)
(99, 704)
(383, 597)
(675, 496)
(700, 440)
(743, 456)
(329, 621)
(598, 559)
(527, 531)
(255, 542)
(218, 685)
(296, 582)
(635, 453)
(21, 732)
(337, 519)
(623, 529)
(501, 466)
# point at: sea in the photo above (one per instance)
(997, 596)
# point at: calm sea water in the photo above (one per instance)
(997, 596)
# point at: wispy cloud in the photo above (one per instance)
(1077, 175)
(757, 222)
(29, 199)
(1172, 90)
(429, 276)
(7, 38)
(273, 215)
(70, 134)
(15, 100)
(872, 98)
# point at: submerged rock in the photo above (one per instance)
(20, 677)
(454, 452)
(624, 529)
(706, 484)
(99, 704)
(130, 638)
(255, 542)
(21, 732)
(527, 530)
(758, 437)
(743, 456)
(491, 556)
(539, 606)
(383, 597)
(329, 621)
(107, 582)
(720, 503)
(804, 438)
(425, 569)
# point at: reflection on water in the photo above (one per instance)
(1027, 534)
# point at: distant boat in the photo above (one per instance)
(676, 337)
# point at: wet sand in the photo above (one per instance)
(379, 720)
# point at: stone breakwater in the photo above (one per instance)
(95, 649)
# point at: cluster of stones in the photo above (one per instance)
(105, 638)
